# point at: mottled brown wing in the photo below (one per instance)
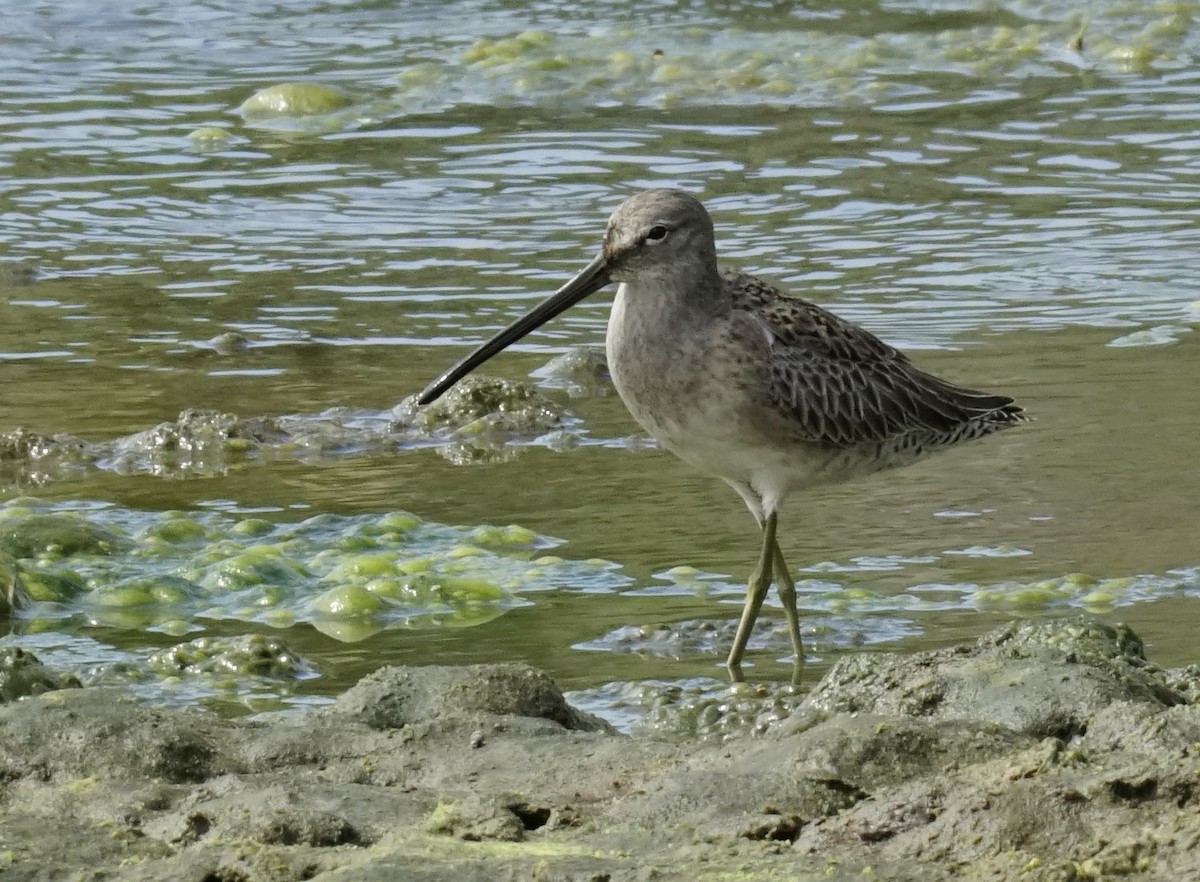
(842, 385)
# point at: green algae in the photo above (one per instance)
(176, 531)
(349, 576)
(746, 63)
(255, 566)
(348, 601)
(1075, 590)
(143, 591)
(55, 535)
(860, 591)
(51, 585)
(292, 100)
(512, 536)
(252, 527)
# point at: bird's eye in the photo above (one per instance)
(657, 233)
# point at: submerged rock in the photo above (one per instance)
(229, 343)
(581, 371)
(16, 274)
(24, 446)
(711, 711)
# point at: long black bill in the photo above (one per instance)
(590, 279)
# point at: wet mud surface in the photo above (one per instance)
(1045, 751)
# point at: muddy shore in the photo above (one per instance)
(1047, 751)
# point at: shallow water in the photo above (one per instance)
(1020, 214)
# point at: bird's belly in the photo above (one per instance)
(722, 448)
(704, 407)
(720, 439)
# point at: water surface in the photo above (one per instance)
(1019, 213)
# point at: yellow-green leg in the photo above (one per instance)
(787, 596)
(756, 592)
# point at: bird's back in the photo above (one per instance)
(836, 385)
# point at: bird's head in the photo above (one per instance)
(655, 233)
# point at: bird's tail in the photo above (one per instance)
(962, 405)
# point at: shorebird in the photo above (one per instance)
(768, 392)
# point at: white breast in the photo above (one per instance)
(664, 387)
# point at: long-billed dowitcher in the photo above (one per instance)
(768, 392)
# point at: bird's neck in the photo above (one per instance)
(682, 295)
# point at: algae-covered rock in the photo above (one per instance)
(84, 735)
(476, 819)
(480, 417)
(397, 696)
(199, 430)
(297, 825)
(22, 445)
(293, 99)
(477, 405)
(1042, 678)
(1077, 639)
(254, 655)
(22, 674)
(581, 371)
(413, 758)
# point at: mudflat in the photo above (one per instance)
(1044, 751)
